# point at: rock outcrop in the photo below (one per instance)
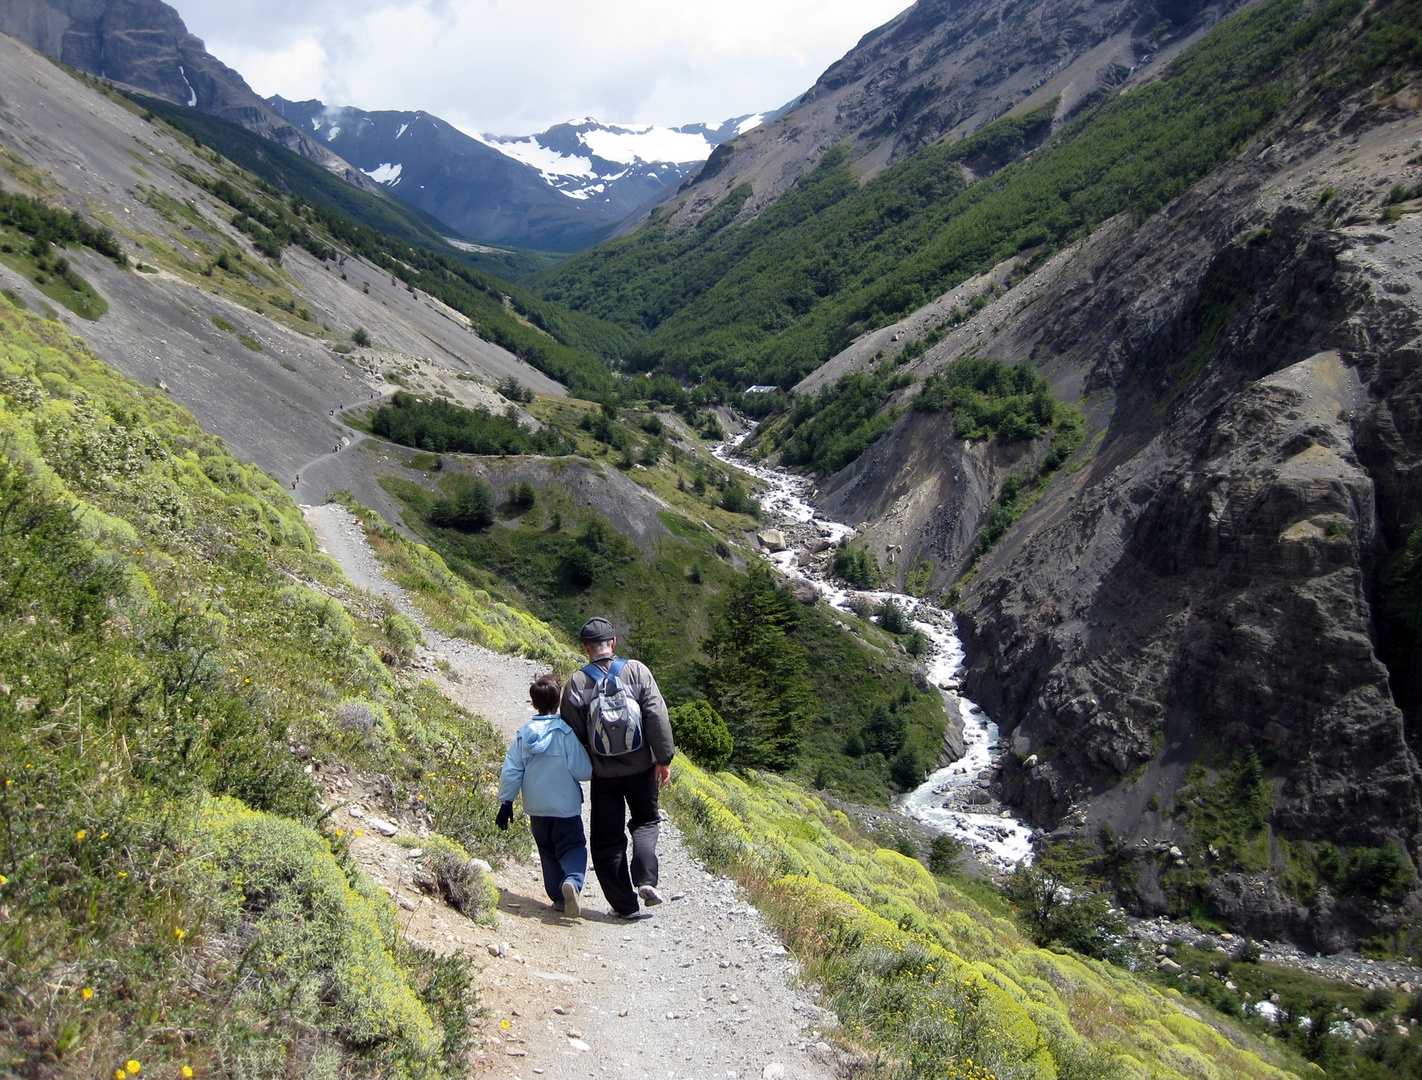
(1221, 569)
(144, 44)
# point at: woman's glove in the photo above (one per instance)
(505, 816)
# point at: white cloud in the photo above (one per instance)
(518, 66)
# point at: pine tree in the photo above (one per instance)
(757, 677)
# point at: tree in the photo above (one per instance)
(360, 337)
(701, 734)
(470, 508)
(906, 768)
(1055, 900)
(757, 677)
(893, 618)
(884, 732)
(943, 853)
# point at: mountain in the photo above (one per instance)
(1131, 380)
(144, 44)
(944, 69)
(560, 190)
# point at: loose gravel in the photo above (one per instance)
(699, 988)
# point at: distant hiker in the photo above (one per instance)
(631, 750)
(547, 761)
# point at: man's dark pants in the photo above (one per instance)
(620, 803)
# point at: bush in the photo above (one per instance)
(855, 566)
(469, 509)
(943, 853)
(701, 734)
(1057, 906)
(360, 337)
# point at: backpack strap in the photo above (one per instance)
(596, 674)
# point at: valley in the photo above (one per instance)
(1017, 434)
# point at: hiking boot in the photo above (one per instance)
(572, 909)
(649, 895)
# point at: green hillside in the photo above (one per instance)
(173, 656)
(768, 299)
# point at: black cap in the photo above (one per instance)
(597, 629)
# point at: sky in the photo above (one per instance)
(516, 67)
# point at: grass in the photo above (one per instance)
(63, 286)
(928, 979)
(173, 654)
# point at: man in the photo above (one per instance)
(625, 787)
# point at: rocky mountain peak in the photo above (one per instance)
(144, 45)
(559, 190)
(942, 70)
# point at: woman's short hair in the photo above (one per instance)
(545, 693)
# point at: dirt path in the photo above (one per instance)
(313, 479)
(701, 989)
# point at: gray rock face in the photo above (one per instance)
(924, 491)
(1215, 575)
(145, 45)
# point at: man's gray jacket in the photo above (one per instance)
(658, 748)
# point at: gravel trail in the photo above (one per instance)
(700, 989)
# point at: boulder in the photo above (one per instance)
(771, 539)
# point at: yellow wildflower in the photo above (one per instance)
(131, 1065)
(80, 835)
(86, 993)
(180, 933)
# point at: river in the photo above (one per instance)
(955, 799)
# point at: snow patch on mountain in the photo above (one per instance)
(403, 128)
(629, 145)
(386, 173)
(550, 163)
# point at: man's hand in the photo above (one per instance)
(504, 817)
(663, 773)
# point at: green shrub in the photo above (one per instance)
(943, 853)
(855, 566)
(701, 734)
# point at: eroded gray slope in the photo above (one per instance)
(269, 398)
(1213, 577)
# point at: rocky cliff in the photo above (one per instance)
(1228, 565)
(942, 70)
(145, 45)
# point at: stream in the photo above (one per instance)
(955, 799)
